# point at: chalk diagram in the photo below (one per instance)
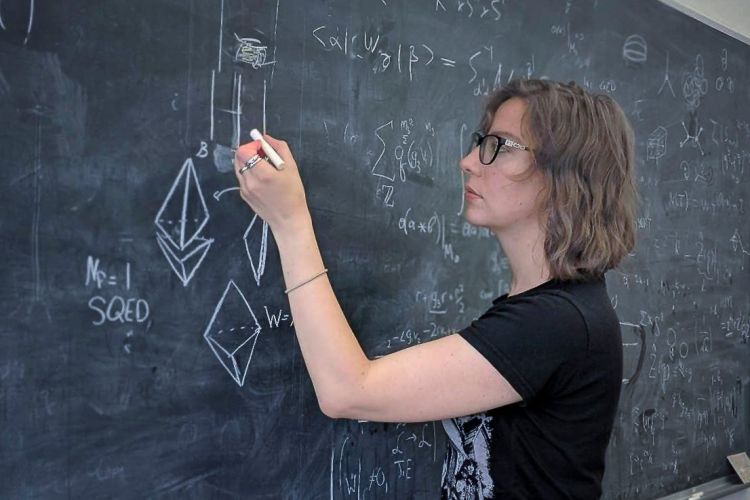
(180, 221)
(692, 133)
(256, 246)
(233, 332)
(250, 51)
(656, 146)
(666, 79)
(695, 84)
(635, 49)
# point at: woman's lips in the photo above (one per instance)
(470, 193)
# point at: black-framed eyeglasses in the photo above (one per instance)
(490, 144)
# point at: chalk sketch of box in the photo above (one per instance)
(657, 143)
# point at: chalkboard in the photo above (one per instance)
(127, 253)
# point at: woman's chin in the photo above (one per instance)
(472, 218)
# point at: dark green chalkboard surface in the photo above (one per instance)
(146, 346)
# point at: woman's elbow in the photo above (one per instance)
(342, 407)
(327, 410)
(343, 402)
(331, 408)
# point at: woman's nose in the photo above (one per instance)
(470, 163)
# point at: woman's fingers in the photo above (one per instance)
(277, 196)
(276, 144)
(244, 154)
(247, 151)
(281, 147)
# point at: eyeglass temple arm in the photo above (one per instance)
(513, 144)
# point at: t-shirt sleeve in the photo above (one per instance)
(530, 339)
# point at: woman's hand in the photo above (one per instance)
(277, 196)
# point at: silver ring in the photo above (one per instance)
(250, 163)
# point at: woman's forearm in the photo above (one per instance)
(333, 356)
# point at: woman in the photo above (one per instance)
(529, 390)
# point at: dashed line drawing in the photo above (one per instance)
(693, 134)
(635, 49)
(666, 80)
(233, 332)
(255, 247)
(657, 143)
(180, 221)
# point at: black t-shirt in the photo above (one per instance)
(559, 346)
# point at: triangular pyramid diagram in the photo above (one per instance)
(233, 332)
(180, 221)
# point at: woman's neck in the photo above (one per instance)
(524, 249)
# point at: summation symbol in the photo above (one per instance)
(180, 221)
(256, 247)
(233, 332)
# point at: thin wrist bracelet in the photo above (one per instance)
(321, 273)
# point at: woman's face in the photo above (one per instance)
(492, 198)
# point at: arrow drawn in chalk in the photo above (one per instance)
(217, 194)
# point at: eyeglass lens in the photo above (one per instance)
(489, 147)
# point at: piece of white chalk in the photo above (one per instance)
(273, 156)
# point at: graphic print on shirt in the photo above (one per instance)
(466, 472)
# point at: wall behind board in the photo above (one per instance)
(146, 346)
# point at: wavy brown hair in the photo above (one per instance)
(583, 145)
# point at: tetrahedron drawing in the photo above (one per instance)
(233, 332)
(180, 221)
(256, 244)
